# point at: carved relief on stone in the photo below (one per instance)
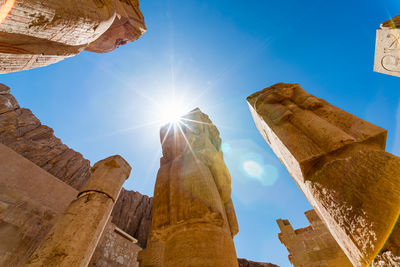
(306, 127)
(387, 50)
(193, 216)
(38, 33)
(339, 162)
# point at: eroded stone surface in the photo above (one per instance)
(338, 161)
(247, 263)
(387, 48)
(312, 246)
(21, 131)
(133, 213)
(193, 216)
(127, 27)
(39, 33)
(115, 250)
(27, 215)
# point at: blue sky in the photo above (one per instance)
(215, 54)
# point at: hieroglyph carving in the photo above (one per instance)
(387, 51)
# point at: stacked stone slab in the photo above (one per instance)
(339, 162)
(312, 246)
(194, 220)
(39, 33)
(387, 48)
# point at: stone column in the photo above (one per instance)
(339, 162)
(194, 220)
(39, 33)
(74, 237)
(387, 48)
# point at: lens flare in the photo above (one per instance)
(252, 168)
(6, 9)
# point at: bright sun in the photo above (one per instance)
(172, 111)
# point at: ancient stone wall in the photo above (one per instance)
(31, 200)
(133, 213)
(312, 246)
(115, 249)
(247, 263)
(21, 131)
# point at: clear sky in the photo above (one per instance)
(214, 54)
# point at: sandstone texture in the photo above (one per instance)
(30, 200)
(247, 263)
(312, 246)
(194, 219)
(21, 131)
(133, 213)
(115, 249)
(74, 238)
(339, 162)
(26, 215)
(387, 48)
(38, 33)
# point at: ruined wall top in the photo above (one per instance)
(21, 131)
(312, 245)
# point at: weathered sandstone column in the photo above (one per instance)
(74, 237)
(39, 33)
(194, 219)
(339, 162)
(387, 49)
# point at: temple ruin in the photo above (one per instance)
(39, 33)
(339, 162)
(194, 220)
(33, 158)
(387, 48)
(311, 246)
(40, 177)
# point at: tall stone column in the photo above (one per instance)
(39, 33)
(194, 220)
(74, 237)
(339, 162)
